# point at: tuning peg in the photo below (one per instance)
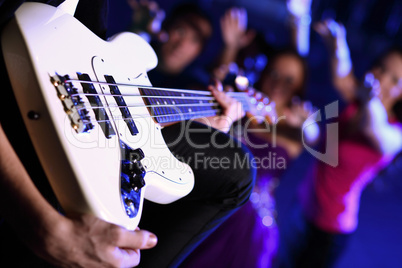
(258, 95)
(241, 82)
(265, 100)
(250, 91)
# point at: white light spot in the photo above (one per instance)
(267, 221)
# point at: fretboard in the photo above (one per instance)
(172, 105)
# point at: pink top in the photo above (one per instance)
(331, 195)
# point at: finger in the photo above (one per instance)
(228, 88)
(321, 28)
(136, 239)
(215, 85)
(247, 38)
(333, 27)
(234, 17)
(341, 30)
(226, 20)
(242, 18)
(223, 100)
(127, 257)
(152, 6)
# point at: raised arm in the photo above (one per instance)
(385, 136)
(74, 241)
(300, 19)
(334, 35)
(235, 36)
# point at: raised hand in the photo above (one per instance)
(298, 112)
(299, 8)
(234, 29)
(301, 115)
(333, 33)
(147, 17)
(300, 19)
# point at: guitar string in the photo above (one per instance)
(195, 104)
(192, 91)
(143, 96)
(150, 106)
(240, 96)
(118, 118)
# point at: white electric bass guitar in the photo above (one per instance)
(93, 117)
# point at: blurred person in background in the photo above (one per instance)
(249, 238)
(369, 137)
(178, 40)
(217, 192)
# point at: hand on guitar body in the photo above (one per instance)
(65, 241)
(87, 241)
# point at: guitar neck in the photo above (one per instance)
(173, 105)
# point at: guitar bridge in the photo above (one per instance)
(72, 103)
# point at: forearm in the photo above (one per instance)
(221, 66)
(20, 201)
(386, 137)
(300, 33)
(228, 55)
(342, 70)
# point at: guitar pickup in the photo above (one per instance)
(97, 105)
(122, 105)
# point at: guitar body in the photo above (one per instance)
(92, 156)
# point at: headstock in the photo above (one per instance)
(259, 108)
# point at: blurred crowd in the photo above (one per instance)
(348, 157)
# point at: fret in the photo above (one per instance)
(186, 105)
